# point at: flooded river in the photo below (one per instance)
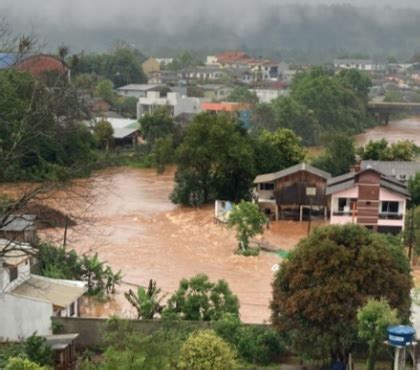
(405, 129)
(137, 229)
(133, 226)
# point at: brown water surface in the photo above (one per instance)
(134, 227)
(405, 129)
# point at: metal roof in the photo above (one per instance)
(60, 293)
(348, 180)
(19, 223)
(7, 60)
(59, 342)
(138, 87)
(400, 170)
(269, 177)
(121, 133)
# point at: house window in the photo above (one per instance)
(72, 309)
(342, 202)
(390, 207)
(13, 273)
(267, 186)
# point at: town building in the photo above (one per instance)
(367, 65)
(215, 92)
(270, 93)
(294, 192)
(137, 90)
(203, 74)
(174, 102)
(369, 198)
(151, 65)
(126, 131)
(29, 301)
(399, 170)
(43, 66)
(164, 61)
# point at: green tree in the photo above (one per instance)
(357, 81)
(104, 90)
(147, 302)
(163, 152)
(204, 350)
(104, 133)
(277, 150)
(17, 363)
(215, 160)
(296, 117)
(259, 345)
(248, 221)
(381, 150)
(126, 106)
(327, 278)
(414, 188)
(242, 95)
(373, 320)
(339, 155)
(335, 102)
(156, 125)
(264, 118)
(198, 299)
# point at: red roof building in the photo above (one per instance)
(39, 65)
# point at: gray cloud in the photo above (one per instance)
(152, 24)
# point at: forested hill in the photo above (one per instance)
(301, 33)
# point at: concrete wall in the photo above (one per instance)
(21, 317)
(92, 330)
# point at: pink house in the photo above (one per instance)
(368, 198)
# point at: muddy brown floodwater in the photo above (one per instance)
(405, 129)
(134, 227)
(137, 229)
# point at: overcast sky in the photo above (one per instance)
(58, 21)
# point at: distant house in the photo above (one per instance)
(39, 66)
(164, 61)
(216, 92)
(97, 105)
(28, 301)
(164, 77)
(19, 228)
(137, 90)
(202, 74)
(126, 131)
(173, 102)
(399, 170)
(290, 192)
(151, 65)
(367, 65)
(368, 198)
(268, 93)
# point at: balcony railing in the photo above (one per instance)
(344, 213)
(390, 216)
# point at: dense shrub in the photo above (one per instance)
(204, 350)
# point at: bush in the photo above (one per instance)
(200, 299)
(17, 363)
(255, 344)
(38, 350)
(204, 350)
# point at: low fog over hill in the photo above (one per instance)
(298, 30)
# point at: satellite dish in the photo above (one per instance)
(275, 268)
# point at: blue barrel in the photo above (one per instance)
(400, 335)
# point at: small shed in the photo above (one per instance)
(126, 136)
(64, 350)
(19, 228)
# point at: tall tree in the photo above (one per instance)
(277, 150)
(156, 125)
(242, 95)
(327, 278)
(215, 160)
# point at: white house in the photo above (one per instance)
(164, 61)
(136, 90)
(359, 64)
(174, 102)
(268, 95)
(28, 301)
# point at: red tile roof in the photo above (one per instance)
(37, 65)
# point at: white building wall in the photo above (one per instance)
(21, 317)
(24, 271)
